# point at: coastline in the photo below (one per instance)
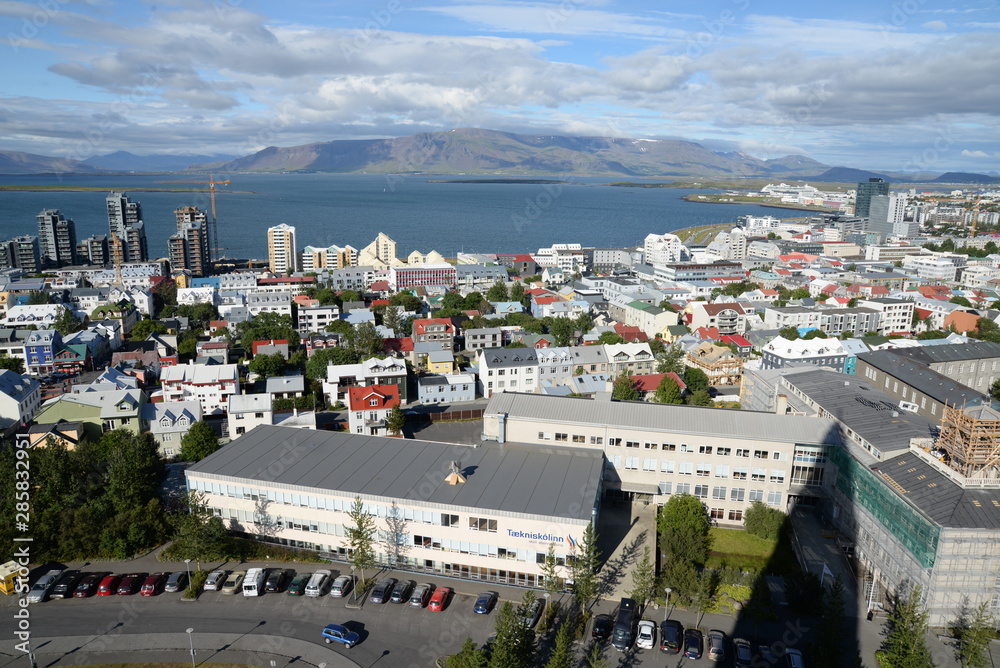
(703, 199)
(103, 189)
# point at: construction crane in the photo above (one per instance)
(213, 241)
(975, 216)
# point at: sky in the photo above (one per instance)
(901, 85)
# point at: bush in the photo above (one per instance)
(549, 617)
(197, 582)
(763, 521)
(581, 624)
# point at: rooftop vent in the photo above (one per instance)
(455, 477)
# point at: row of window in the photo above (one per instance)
(701, 470)
(668, 447)
(736, 494)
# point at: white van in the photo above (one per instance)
(317, 583)
(253, 583)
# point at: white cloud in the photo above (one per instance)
(974, 154)
(936, 25)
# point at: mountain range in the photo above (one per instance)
(479, 151)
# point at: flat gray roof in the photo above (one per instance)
(935, 385)
(668, 418)
(513, 478)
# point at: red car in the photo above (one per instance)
(88, 585)
(109, 585)
(440, 599)
(153, 584)
(130, 583)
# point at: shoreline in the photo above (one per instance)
(700, 199)
(103, 189)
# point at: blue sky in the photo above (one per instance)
(906, 85)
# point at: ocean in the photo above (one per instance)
(416, 212)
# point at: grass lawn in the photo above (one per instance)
(743, 550)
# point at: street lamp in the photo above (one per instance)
(191, 642)
(666, 608)
(187, 562)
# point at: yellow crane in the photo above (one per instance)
(214, 233)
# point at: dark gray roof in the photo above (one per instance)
(955, 352)
(860, 406)
(508, 357)
(667, 418)
(935, 385)
(522, 479)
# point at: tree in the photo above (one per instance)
(516, 291)
(473, 301)
(583, 323)
(683, 526)
(407, 301)
(668, 392)
(391, 318)
(395, 421)
(361, 538)
(815, 334)
(671, 360)
(470, 656)
(562, 650)
(365, 341)
(790, 333)
(961, 301)
(595, 656)
(497, 292)
(695, 379)
(563, 330)
(199, 442)
(974, 631)
(583, 569)
(833, 631)
(67, 322)
(643, 580)
(142, 329)
(268, 366)
(763, 521)
(38, 298)
(267, 326)
(657, 346)
(550, 570)
(15, 364)
(905, 644)
(515, 642)
(316, 365)
(994, 388)
(699, 398)
(452, 301)
(800, 293)
(340, 327)
(610, 338)
(625, 388)
(349, 296)
(199, 534)
(682, 578)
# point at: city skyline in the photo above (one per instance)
(896, 87)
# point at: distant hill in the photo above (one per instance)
(849, 175)
(15, 162)
(965, 177)
(123, 161)
(477, 151)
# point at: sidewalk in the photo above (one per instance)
(225, 648)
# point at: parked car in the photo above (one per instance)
(177, 581)
(342, 586)
(716, 645)
(693, 644)
(534, 613)
(439, 599)
(297, 586)
(671, 636)
(88, 585)
(233, 582)
(318, 582)
(40, 590)
(276, 579)
(109, 585)
(601, 630)
(340, 634)
(794, 658)
(485, 602)
(66, 585)
(401, 592)
(214, 580)
(153, 584)
(421, 594)
(130, 583)
(646, 638)
(382, 590)
(767, 655)
(742, 655)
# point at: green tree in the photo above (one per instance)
(132, 468)
(407, 301)
(695, 379)
(699, 398)
(395, 421)
(391, 318)
(66, 322)
(143, 328)
(267, 326)
(668, 392)
(800, 293)
(625, 388)
(187, 343)
(15, 364)
(657, 346)
(961, 301)
(595, 657)
(340, 327)
(974, 631)
(815, 334)
(452, 301)
(643, 580)
(516, 291)
(497, 292)
(833, 630)
(470, 656)
(583, 323)
(994, 388)
(583, 568)
(610, 338)
(473, 301)
(563, 330)
(550, 570)
(682, 578)
(790, 333)
(361, 538)
(515, 643)
(268, 366)
(198, 533)
(562, 651)
(365, 341)
(38, 298)
(671, 360)
(763, 521)
(683, 526)
(349, 296)
(199, 442)
(905, 644)
(316, 365)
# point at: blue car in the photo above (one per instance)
(341, 634)
(485, 602)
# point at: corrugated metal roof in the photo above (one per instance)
(532, 480)
(667, 418)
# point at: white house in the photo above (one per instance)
(210, 385)
(507, 370)
(369, 408)
(169, 422)
(246, 411)
(191, 296)
(20, 398)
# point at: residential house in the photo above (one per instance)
(721, 365)
(507, 370)
(446, 389)
(440, 330)
(503, 308)
(840, 355)
(211, 385)
(651, 320)
(246, 411)
(441, 361)
(40, 348)
(631, 358)
(269, 302)
(374, 371)
(74, 358)
(168, 422)
(42, 316)
(20, 398)
(647, 384)
(286, 387)
(897, 314)
(484, 337)
(271, 347)
(12, 342)
(215, 351)
(369, 408)
(322, 342)
(728, 317)
(66, 434)
(316, 318)
(99, 411)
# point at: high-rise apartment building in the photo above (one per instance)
(314, 258)
(189, 248)
(94, 250)
(125, 223)
(867, 190)
(662, 248)
(282, 257)
(56, 238)
(380, 253)
(884, 213)
(27, 253)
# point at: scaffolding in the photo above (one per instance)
(970, 437)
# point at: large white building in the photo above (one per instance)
(282, 253)
(493, 521)
(662, 248)
(20, 398)
(210, 385)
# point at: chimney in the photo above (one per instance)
(455, 477)
(781, 404)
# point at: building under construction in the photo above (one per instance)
(970, 440)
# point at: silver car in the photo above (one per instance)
(214, 580)
(342, 586)
(40, 591)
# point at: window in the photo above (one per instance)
(760, 454)
(704, 470)
(667, 466)
(632, 463)
(806, 475)
(449, 520)
(724, 452)
(683, 488)
(482, 524)
(735, 515)
(774, 498)
(719, 493)
(650, 446)
(631, 444)
(687, 468)
(616, 461)
(614, 441)
(740, 452)
(561, 437)
(717, 513)
(701, 491)
(596, 440)
(737, 494)
(686, 448)
(740, 473)
(648, 464)
(665, 487)
(704, 449)
(756, 495)
(721, 471)
(577, 438)
(778, 476)
(759, 475)
(373, 402)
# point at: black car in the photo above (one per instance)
(671, 636)
(66, 585)
(276, 579)
(485, 602)
(694, 643)
(602, 627)
(401, 592)
(382, 590)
